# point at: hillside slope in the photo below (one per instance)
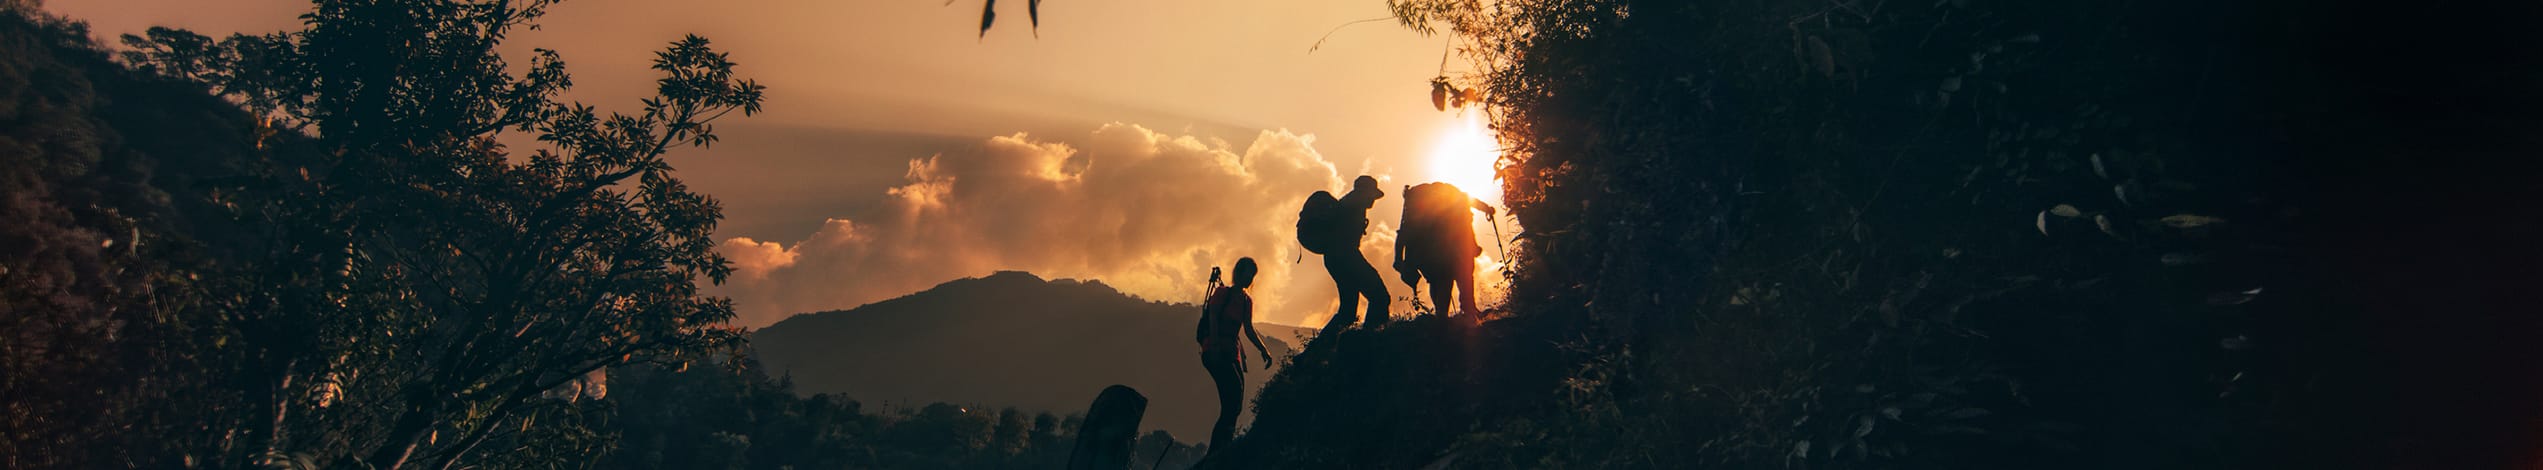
(1959, 234)
(968, 342)
(114, 225)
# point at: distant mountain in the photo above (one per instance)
(1011, 339)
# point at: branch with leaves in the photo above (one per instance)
(433, 283)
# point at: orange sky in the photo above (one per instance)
(860, 89)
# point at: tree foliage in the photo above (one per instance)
(101, 268)
(1953, 234)
(402, 288)
(731, 416)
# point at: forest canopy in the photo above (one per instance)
(1956, 234)
(340, 242)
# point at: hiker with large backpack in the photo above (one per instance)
(1332, 227)
(1437, 241)
(1228, 310)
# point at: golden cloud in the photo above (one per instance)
(1146, 212)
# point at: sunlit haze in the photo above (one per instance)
(851, 188)
(1256, 234)
(1464, 155)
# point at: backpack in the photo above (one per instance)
(1325, 226)
(1437, 216)
(1214, 317)
(1210, 310)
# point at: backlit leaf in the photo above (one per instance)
(2190, 220)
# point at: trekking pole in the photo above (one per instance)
(1213, 287)
(1496, 239)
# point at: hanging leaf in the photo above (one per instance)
(2063, 210)
(2043, 223)
(1033, 11)
(2103, 221)
(2098, 170)
(988, 16)
(1439, 93)
(2190, 220)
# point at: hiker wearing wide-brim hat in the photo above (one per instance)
(1332, 227)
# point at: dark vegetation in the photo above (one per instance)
(1801, 234)
(93, 297)
(308, 248)
(215, 258)
(1828, 234)
(735, 417)
(1392, 398)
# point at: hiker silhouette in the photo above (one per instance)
(1332, 227)
(1437, 241)
(1228, 311)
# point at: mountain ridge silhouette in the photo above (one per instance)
(1011, 339)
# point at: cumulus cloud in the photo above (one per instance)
(1144, 211)
(753, 259)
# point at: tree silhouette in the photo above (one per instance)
(423, 285)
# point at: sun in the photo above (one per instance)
(1464, 156)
